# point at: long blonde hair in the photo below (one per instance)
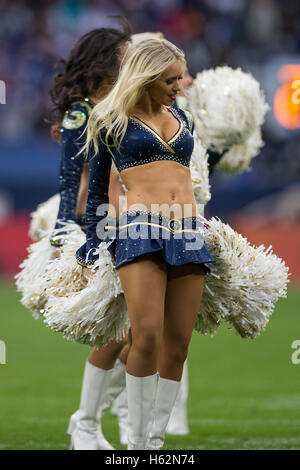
(142, 64)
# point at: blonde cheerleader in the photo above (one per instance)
(221, 288)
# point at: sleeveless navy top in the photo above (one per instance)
(140, 145)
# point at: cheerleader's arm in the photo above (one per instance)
(71, 167)
(97, 206)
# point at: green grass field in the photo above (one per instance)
(244, 394)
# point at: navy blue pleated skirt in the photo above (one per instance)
(136, 233)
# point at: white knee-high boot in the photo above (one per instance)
(141, 392)
(84, 428)
(165, 398)
(178, 423)
(120, 409)
(116, 386)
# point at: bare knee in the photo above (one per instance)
(147, 341)
(179, 356)
(176, 351)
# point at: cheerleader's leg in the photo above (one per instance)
(146, 312)
(120, 406)
(84, 427)
(103, 380)
(183, 299)
(120, 409)
(178, 423)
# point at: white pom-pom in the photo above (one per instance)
(239, 157)
(244, 284)
(62, 274)
(29, 280)
(44, 217)
(33, 279)
(228, 106)
(94, 314)
(199, 173)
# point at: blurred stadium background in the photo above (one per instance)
(41, 381)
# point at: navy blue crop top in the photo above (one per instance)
(140, 145)
(72, 140)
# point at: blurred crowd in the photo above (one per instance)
(34, 35)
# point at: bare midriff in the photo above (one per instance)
(115, 192)
(163, 187)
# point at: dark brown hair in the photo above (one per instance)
(93, 60)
